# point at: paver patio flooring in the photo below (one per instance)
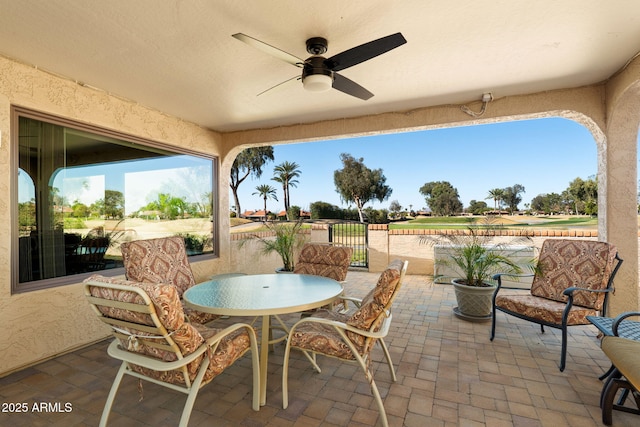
(449, 374)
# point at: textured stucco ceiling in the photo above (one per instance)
(179, 56)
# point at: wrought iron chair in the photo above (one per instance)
(156, 344)
(625, 372)
(349, 339)
(162, 260)
(573, 280)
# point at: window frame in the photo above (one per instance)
(15, 113)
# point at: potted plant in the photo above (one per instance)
(286, 243)
(476, 257)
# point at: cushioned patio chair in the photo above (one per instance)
(156, 344)
(321, 259)
(350, 339)
(326, 260)
(573, 280)
(162, 260)
(625, 376)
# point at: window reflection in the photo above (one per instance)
(81, 194)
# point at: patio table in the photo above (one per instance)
(263, 295)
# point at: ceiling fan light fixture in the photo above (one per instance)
(317, 82)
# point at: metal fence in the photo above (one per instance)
(355, 235)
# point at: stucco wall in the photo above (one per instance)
(40, 324)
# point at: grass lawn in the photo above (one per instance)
(514, 222)
(558, 222)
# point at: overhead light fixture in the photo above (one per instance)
(317, 82)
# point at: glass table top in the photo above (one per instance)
(262, 294)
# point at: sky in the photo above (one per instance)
(543, 155)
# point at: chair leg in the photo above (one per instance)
(112, 394)
(388, 357)
(374, 389)
(493, 323)
(609, 393)
(606, 374)
(615, 374)
(563, 353)
(193, 393)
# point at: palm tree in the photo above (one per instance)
(266, 191)
(496, 194)
(286, 174)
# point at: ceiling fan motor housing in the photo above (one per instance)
(316, 76)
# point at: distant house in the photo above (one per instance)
(255, 215)
(303, 214)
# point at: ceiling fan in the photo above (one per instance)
(320, 74)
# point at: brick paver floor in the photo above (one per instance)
(449, 374)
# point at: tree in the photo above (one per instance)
(286, 174)
(547, 203)
(113, 204)
(511, 196)
(496, 194)
(266, 191)
(395, 208)
(358, 184)
(582, 193)
(477, 207)
(442, 198)
(248, 162)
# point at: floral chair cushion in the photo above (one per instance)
(565, 263)
(187, 336)
(324, 260)
(162, 260)
(543, 309)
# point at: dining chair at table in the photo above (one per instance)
(349, 338)
(326, 260)
(162, 260)
(572, 281)
(155, 343)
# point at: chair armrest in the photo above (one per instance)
(569, 291)
(498, 277)
(620, 318)
(117, 352)
(341, 327)
(226, 331)
(356, 301)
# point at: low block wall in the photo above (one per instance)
(385, 245)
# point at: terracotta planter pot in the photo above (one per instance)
(474, 302)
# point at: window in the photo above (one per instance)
(81, 191)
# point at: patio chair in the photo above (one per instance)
(353, 339)
(321, 259)
(573, 280)
(624, 354)
(327, 260)
(156, 344)
(162, 260)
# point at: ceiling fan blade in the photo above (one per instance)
(279, 85)
(364, 52)
(350, 87)
(270, 50)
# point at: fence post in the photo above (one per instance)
(378, 247)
